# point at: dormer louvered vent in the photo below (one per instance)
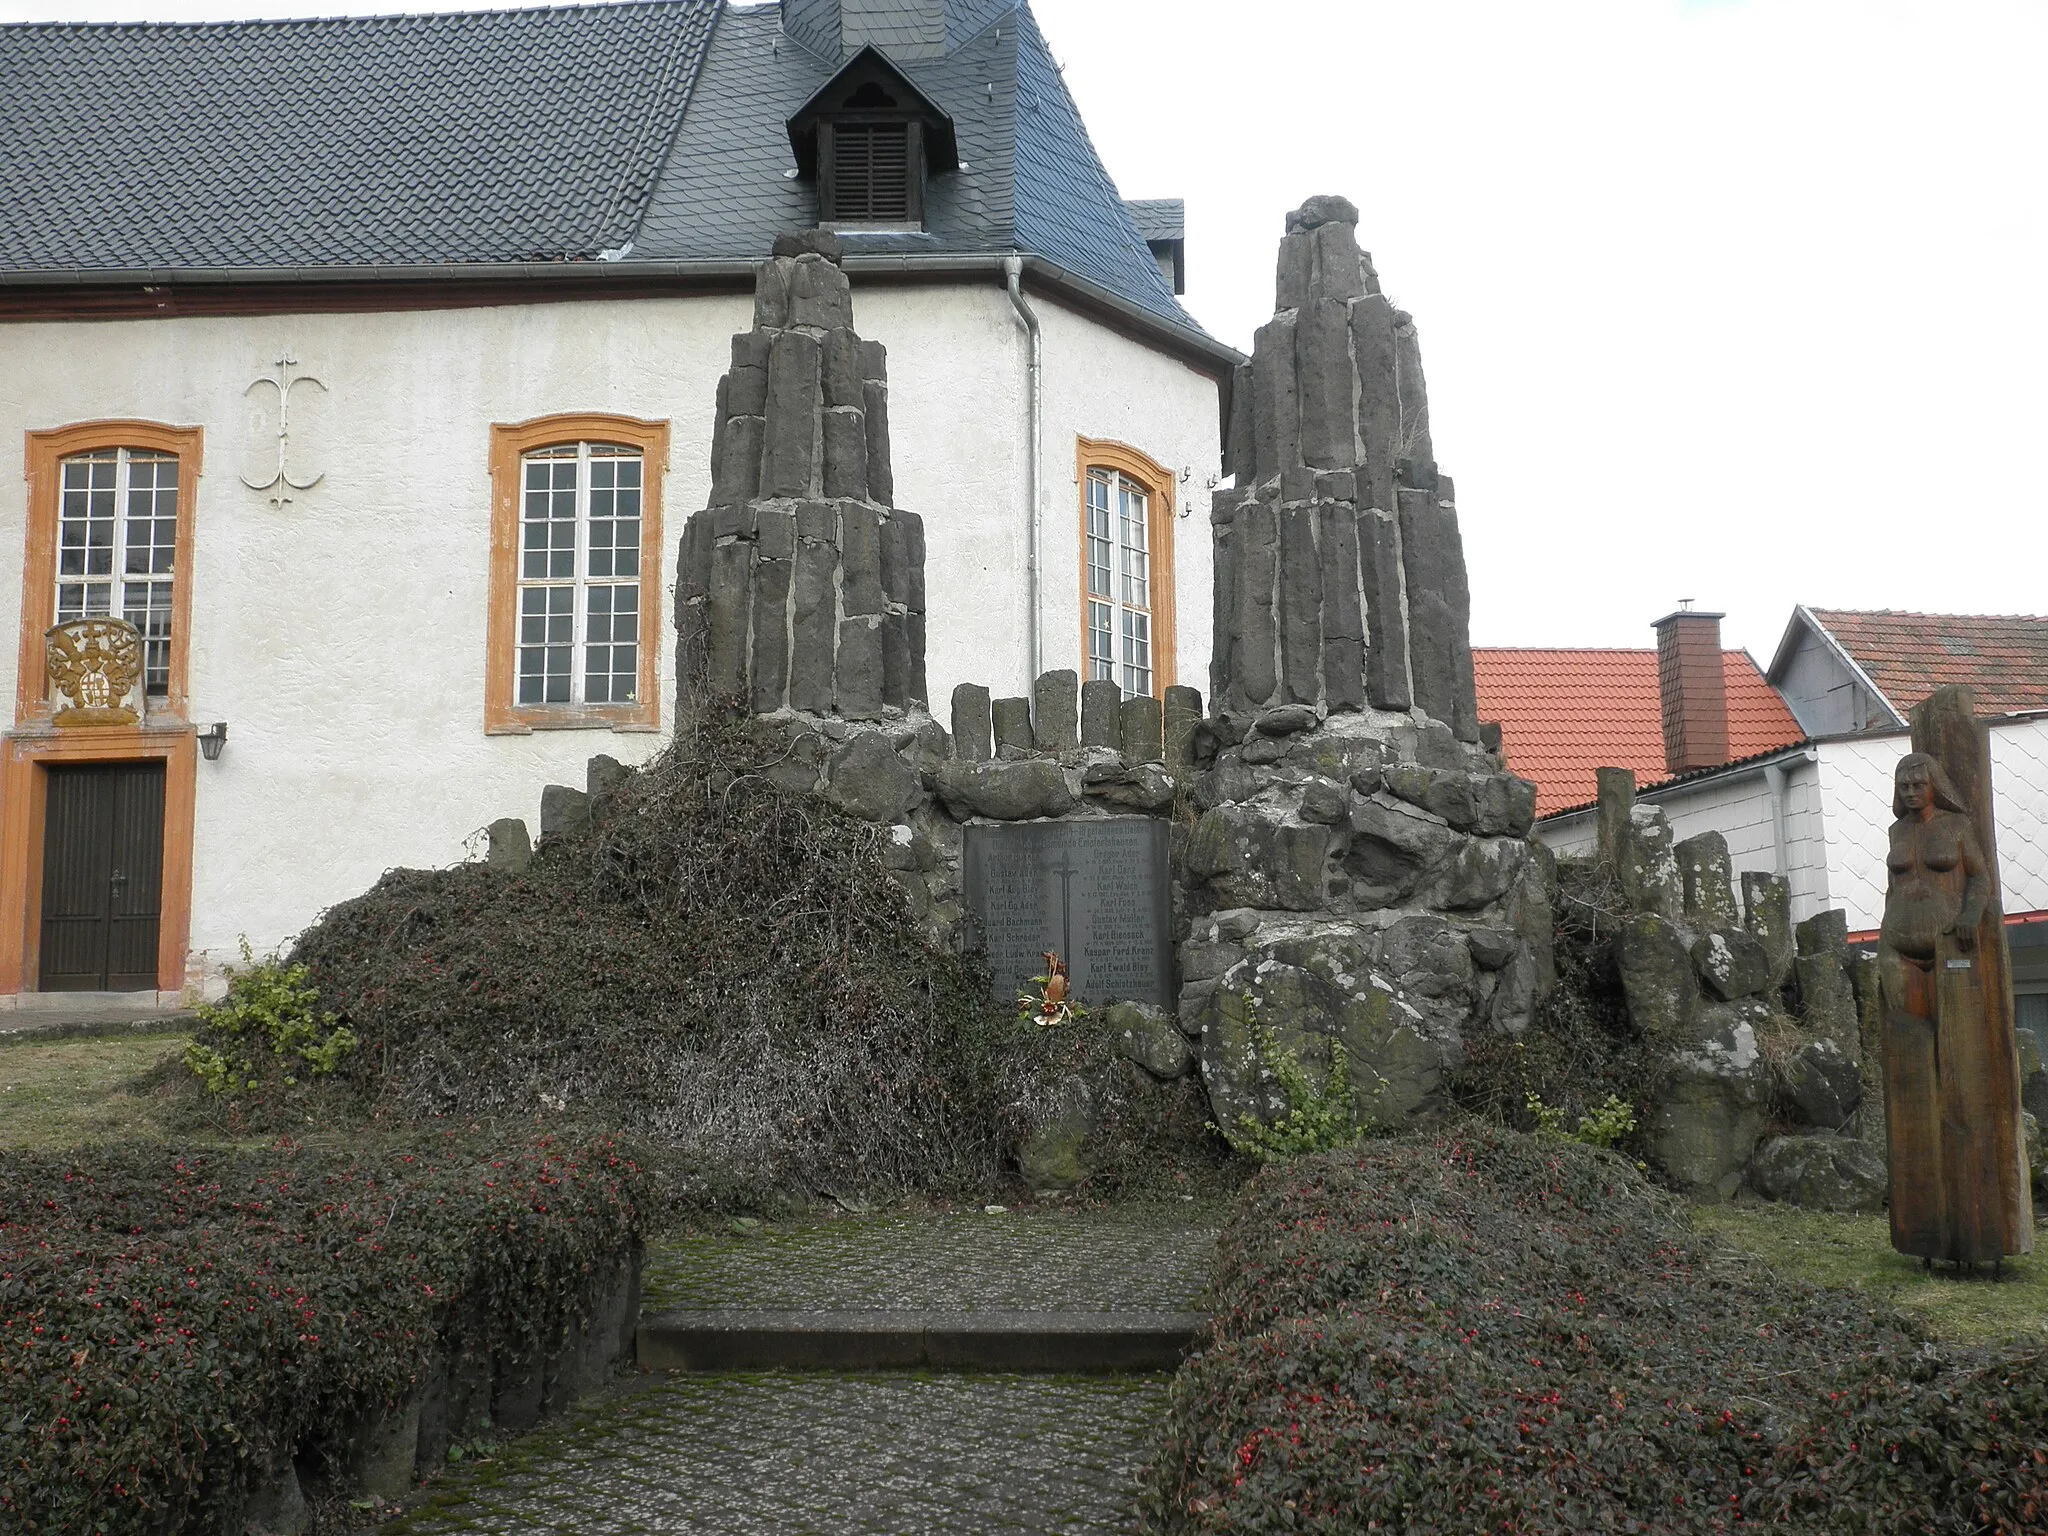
(871, 138)
(871, 174)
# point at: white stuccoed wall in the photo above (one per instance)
(342, 638)
(1100, 385)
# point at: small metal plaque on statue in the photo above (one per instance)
(1096, 893)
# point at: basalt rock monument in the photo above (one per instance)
(800, 586)
(1331, 854)
(1361, 872)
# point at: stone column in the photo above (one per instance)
(1339, 572)
(801, 586)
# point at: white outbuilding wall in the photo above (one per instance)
(1859, 778)
(1739, 806)
(1838, 805)
(342, 636)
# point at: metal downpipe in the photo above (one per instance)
(1013, 276)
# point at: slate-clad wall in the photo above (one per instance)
(799, 586)
(1340, 573)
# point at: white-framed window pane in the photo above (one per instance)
(579, 566)
(147, 605)
(1098, 535)
(1137, 559)
(549, 540)
(1101, 643)
(547, 644)
(612, 645)
(151, 535)
(614, 514)
(117, 541)
(84, 600)
(1117, 597)
(1137, 654)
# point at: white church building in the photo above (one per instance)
(367, 368)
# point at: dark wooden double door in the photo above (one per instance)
(103, 863)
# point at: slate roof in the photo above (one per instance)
(726, 190)
(1067, 207)
(1159, 218)
(649, 130)
(1565, 713)
(486, 137)
(2002, 658)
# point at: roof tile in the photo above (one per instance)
(2002, 658)
(1565, 713)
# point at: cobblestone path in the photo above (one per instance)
(896, 1455)
(831, 1453)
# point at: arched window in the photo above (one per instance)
(576, 545)
(110, 532)
(1126, 569)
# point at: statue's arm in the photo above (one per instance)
(1976, 890)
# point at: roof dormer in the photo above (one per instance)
(869, 139)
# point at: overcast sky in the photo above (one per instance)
(1735, 300)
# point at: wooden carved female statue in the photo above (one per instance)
(1949, 1076)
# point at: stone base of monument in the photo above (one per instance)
(1361, 879)
(1056, 1342)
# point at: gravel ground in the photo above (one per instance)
(820, 1455)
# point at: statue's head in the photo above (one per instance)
(1918, 779)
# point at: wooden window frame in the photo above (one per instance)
(24, 804)
(45, 453)
(1159, 484)
(510, 443)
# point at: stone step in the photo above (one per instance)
(874, 1340)
(30, 1026)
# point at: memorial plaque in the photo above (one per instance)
(1096, 893)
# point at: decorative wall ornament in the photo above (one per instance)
(284, 382)
(96, 663)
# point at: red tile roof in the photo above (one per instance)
(2004, 659)
(1565, 713)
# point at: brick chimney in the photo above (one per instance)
(1693, 688)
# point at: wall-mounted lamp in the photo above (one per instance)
(212, 739)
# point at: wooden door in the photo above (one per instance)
(103, 857)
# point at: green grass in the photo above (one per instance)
(68, 1093)
(1856, 1251)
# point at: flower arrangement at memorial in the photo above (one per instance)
(1053, 1003)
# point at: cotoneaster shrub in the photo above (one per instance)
(1474, 1332)
(169, 1322)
